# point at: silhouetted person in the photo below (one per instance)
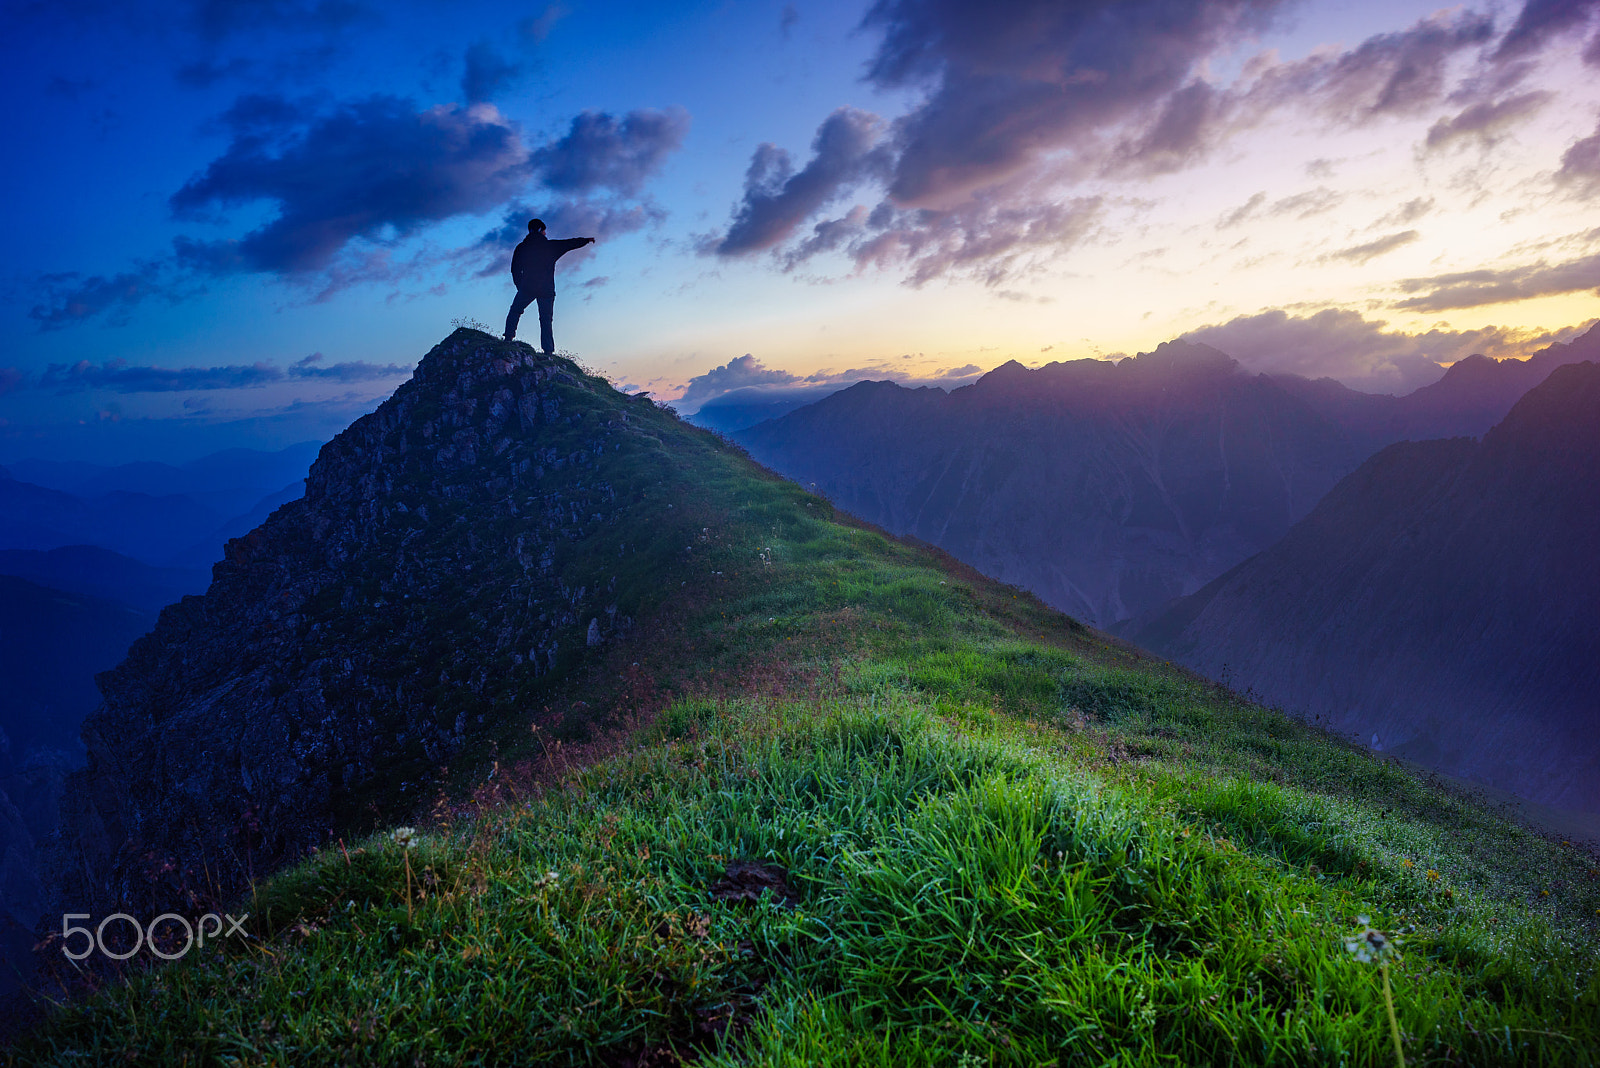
(533, 269)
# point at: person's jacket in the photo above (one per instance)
(533, 264)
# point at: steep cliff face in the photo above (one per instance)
(1107, 489)
(1443, 603)
(456, 551)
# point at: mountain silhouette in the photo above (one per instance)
(457, 553)
(1110, 488)
(1442, 603)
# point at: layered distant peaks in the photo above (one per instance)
(1184, 358)
(1560, 417)
(1443, 596)
(1170, 362)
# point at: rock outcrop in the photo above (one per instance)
(457, 550)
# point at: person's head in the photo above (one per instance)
(535, 226)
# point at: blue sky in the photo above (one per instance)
(241, 223)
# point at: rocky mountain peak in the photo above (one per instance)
(458, 551)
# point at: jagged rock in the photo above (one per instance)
(455, 552)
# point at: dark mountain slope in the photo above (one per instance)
(95, 572)
(1107, 489)
(1444, 600)
(148, 528)
(51, 644)
(1474, 395)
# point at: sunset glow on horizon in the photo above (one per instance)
(242, 224)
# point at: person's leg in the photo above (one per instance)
(518, 304)
(547, 305)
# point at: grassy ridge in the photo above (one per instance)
(1010, 840)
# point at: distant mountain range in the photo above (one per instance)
(89, 555)
(51, 645)
(163, 515)
(1442, 602)
(1110, 488)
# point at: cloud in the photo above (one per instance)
(1300, 205)
(1580, 166)
(1484, 121)
(486, 73)
(1357, 351)
(1243, 213)
(117, 376)
(737, 373)
(1181, 134)
(988, 238)
(1472, 289)
(1005, 93)
(1013, 109)
(600, 151)
(71, 298)
(349, 371)
(1409, 212)
(777, 198)
(11, 380)
(376, 169)
(1389, 74)
(570, 217)
(1541, 20)
(1363, 253)
(351, 182)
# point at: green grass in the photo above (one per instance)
(964, 891)
(1013, 841)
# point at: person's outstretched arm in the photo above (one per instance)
(565, 246)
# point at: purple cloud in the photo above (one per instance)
(1017, 105)
(1372, 249)
(1357, 351)
(777, 199)
(986, 238)
(599, 151)
(1485, 121)
(737, 373)
(1580, 166)
(72, 298)
(1004, 92)
(376, 169)
(1541, 20)
(1473, 289)
(117, 376)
